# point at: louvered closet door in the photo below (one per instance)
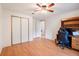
(15, 30)
(24, 29)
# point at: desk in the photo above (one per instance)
(75, 42)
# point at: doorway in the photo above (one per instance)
(42, 29)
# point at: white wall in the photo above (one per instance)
(37, 28)
(34, 27)
(1, 45)
(53, 23)
(7, 26)
(52, 26)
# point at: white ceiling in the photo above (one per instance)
(28, 8)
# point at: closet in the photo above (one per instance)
(19, 29)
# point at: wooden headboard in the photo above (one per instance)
(72, 22)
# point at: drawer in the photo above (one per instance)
(75, 40)
(75, 46)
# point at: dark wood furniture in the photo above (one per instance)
(72, 23)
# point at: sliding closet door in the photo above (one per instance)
(25, 32)
(15, 30)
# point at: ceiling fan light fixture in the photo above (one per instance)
(43, 11)
(45, 7)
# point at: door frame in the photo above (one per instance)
(44, 29)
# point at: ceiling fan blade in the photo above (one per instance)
(51, 10)
(52, 4)
(38, 5)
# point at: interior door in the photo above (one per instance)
(24, 29)
(42, 28)
(15, 30)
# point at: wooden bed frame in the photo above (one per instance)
(72, 22)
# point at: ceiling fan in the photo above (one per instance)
(45, 7)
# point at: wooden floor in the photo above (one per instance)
(38, 47)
